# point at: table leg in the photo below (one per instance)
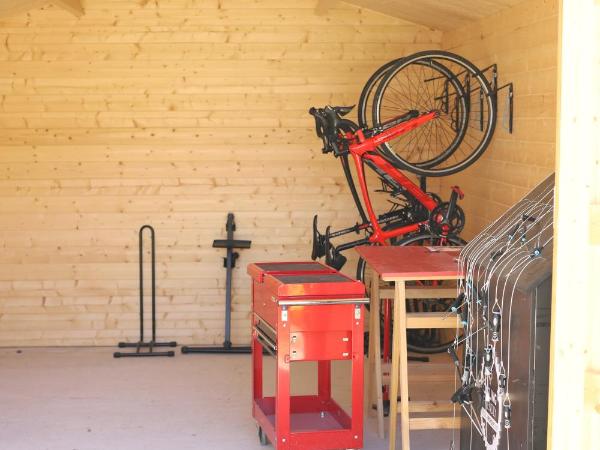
(375, 355)
(370, 372)
(394, 376)
(400, 315)
(399, 372)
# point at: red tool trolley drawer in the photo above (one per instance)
(305, 311)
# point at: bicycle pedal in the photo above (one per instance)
(336, 260)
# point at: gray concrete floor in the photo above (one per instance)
(83, 399)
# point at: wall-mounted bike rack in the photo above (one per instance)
(508, 116)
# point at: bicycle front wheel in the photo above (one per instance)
(365, 102)
(463, 98)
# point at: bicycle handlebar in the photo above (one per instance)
(327, 123)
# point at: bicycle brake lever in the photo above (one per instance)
(337, 152)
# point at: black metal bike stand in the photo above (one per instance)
(151, 344)
(229, 263)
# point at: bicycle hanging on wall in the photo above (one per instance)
(433, 114)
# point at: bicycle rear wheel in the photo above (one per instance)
(430, 340)
(451, 85)
(426, 340)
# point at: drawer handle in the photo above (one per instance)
(266, 341)
(324, 301)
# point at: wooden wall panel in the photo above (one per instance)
(522, 40)
(173, 113)
(441, 15)
(574, 385)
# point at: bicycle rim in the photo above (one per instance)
(365, 101)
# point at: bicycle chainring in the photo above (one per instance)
(442, 225)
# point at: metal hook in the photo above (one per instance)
(496, 321)
(507, 412)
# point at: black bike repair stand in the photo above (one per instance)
(229, 263)
(141, 344)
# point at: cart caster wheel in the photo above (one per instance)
(262, 437)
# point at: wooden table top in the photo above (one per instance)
(412, 262)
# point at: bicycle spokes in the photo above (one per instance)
(463, 98)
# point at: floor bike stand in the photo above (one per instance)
(229, 263)
(141, 344)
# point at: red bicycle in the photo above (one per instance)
(433, 113)
(426, 213)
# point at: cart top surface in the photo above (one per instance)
(306, 284)
(313, 278)
(258, 270)
(412, 262)
(308, 266)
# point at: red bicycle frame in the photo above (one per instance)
(365, 149)
(420, 211)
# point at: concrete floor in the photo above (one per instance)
(83, 399)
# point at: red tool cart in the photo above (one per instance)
(305, 311)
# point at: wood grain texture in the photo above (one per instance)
(574, 383)
(523, 42)
(441, 15)
(75, 7)
(173, 113)
(14, 7)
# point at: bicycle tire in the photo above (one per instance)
(415, 344)
(457, 116)
(364, 113)
(417, 88)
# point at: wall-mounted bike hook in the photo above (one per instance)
(508, 115)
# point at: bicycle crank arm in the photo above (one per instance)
(334, 257)
(348, 245)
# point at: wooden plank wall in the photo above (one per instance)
(173, 113)
(522, 40)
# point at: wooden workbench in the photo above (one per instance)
(399, 265)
